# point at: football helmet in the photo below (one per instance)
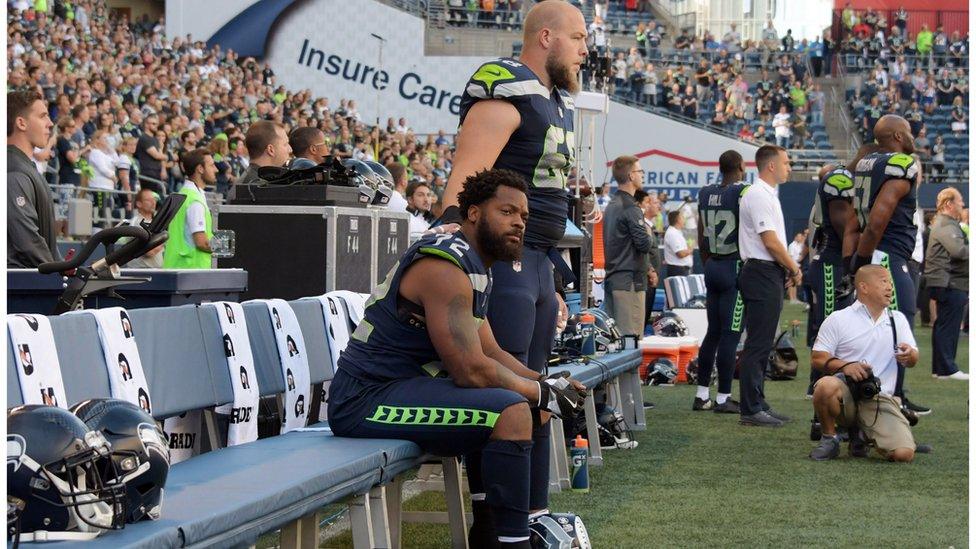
(137, 442)
(383, 175)
(614, 432)
(56, 489)
(558, 531)
(605, 323)
(695, 302)
(661, 372)
(669, 324)
(692, 373)
(362, 177)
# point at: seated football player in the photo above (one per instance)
(424, 366)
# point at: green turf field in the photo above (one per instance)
(699, 479)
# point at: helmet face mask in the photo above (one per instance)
(139, 457)
(55, 480)
(661, 372)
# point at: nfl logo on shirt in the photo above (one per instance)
(517, 266)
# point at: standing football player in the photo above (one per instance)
(518, 115)
(718, 243)
(885, 201)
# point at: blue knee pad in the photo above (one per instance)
(505, 468)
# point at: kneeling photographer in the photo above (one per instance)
(858, 349)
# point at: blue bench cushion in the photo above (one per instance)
(310, 318)
(182, 357)
(609, 367)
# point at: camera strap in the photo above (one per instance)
(894, 331)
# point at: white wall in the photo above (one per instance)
(201, 19)
(677, 158)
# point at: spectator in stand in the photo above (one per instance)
(818, 102)
(597, 38)
(267, 144)
(799, 127)
(102, 159)
(650, 85)
(959, 116)
(947, 277)
(923, 146)
(150, 155)
(940, 45)
(732, 40)
(653, 39)
(944, 88)
(923, 44)
(781, 127)
(797, 250)
(640, 37)
(815, 52)
(146, 201)
(788, 41)
(957, 50)
(677, 254)
(901, 19)
(689, 103)
(683, 41)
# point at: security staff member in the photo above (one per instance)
(626, 246)
(884, 204)
(518, 115)
(424, 366)
(766, 270)
(718, 244)
(31, 238)
(191, 229)
(947, 277)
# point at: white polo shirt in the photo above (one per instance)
(759, 211)
(674, 242)
(851, 334)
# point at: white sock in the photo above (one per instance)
(703, 392)
(722, 397)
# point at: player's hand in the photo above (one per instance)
(563, 316)
(857, 371)
(906, 355)
(450, 228)
(558, 396)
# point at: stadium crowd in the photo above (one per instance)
(127, 102)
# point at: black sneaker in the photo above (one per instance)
(917, 408)
(648, 405)
(923, 449)
(728, 407)
(702, 404)
(810, 391)
(829, 448)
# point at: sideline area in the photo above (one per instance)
(699, 479)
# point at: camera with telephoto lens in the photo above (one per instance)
(866, 389)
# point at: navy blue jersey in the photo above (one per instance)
(718, 212)
(392, 340)
(873, 171)
(837, 184)
(542, 149)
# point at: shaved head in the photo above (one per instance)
(554, 43)
(554, 15)
(894, 134)
(869, 273)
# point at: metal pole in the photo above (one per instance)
(379, 66)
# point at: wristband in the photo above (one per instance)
(451, 214)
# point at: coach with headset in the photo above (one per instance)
(767, 268)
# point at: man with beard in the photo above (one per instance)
(424, 365)
(518, 115)
(884, 204)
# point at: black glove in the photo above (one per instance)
(857, 262)
(452, 214)
(558, 396)
(844, 288)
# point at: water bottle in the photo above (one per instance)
(588, 331)
(580, 478)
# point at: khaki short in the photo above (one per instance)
(880, 419)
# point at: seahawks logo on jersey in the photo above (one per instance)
(839, 183)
